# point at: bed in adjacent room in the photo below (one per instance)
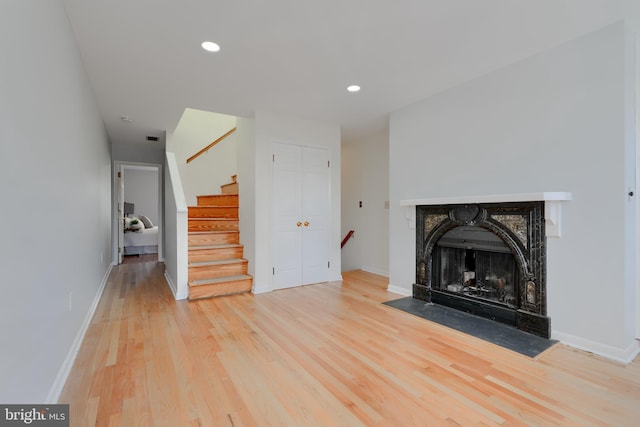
(140, 236)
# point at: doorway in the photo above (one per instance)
(137, 199)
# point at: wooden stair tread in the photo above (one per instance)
(225, 286)
(213, 224)
(230, 205)
(203, 282)
(213, 237)
(213, 219)
(221, 246)
(217, 262)
(214, 206)
(231, 188)
(213, 232)
(218, 200)
(198, 212)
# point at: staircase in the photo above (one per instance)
(216, 263)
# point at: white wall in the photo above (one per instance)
(637, 160)
(632, 19)
(141, 188)
(205, 174)
(55, 181)
(365, 177)
(270, 127)
(552, 122)
(148, 152)
(175, 230)
(245, 147)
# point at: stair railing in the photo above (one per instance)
(346, 238)
(208, 147)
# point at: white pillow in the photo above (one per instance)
(146, 221)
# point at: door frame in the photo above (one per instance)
(115, 239)
(119, 189)
(636, 103)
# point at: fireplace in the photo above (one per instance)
(485, 258)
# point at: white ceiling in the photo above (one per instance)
(296, 57)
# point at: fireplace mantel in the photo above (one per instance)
(552, 206)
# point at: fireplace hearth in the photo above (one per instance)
(487, 259)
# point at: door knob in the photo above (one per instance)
(298, 223)
(306, 223)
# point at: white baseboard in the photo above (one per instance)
(399, 290)
(260, 290)
(173, 287)
(374, 271)
(65, 369)
(623, 355)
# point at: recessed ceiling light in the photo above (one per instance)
(353, 88)
(210, 46)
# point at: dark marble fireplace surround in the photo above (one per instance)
(520, 231)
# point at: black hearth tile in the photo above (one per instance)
(479, 327)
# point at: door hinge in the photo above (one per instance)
(274, 158)
(328, 264)
(119, 174)
(273, 271)
(328, 163)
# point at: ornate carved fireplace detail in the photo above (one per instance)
(487, 259)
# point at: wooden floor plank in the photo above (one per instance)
(328, 355)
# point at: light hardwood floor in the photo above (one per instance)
(320, 355)
(132, 259)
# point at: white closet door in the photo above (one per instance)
(316, 213)
(287, 216)
(301, 213)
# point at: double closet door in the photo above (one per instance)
(301, 215)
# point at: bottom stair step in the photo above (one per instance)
(219, 286)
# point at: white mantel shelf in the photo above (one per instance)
(552, 205)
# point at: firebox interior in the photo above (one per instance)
(476, 263)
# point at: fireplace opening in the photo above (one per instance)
(476, 263)
(485, 259)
